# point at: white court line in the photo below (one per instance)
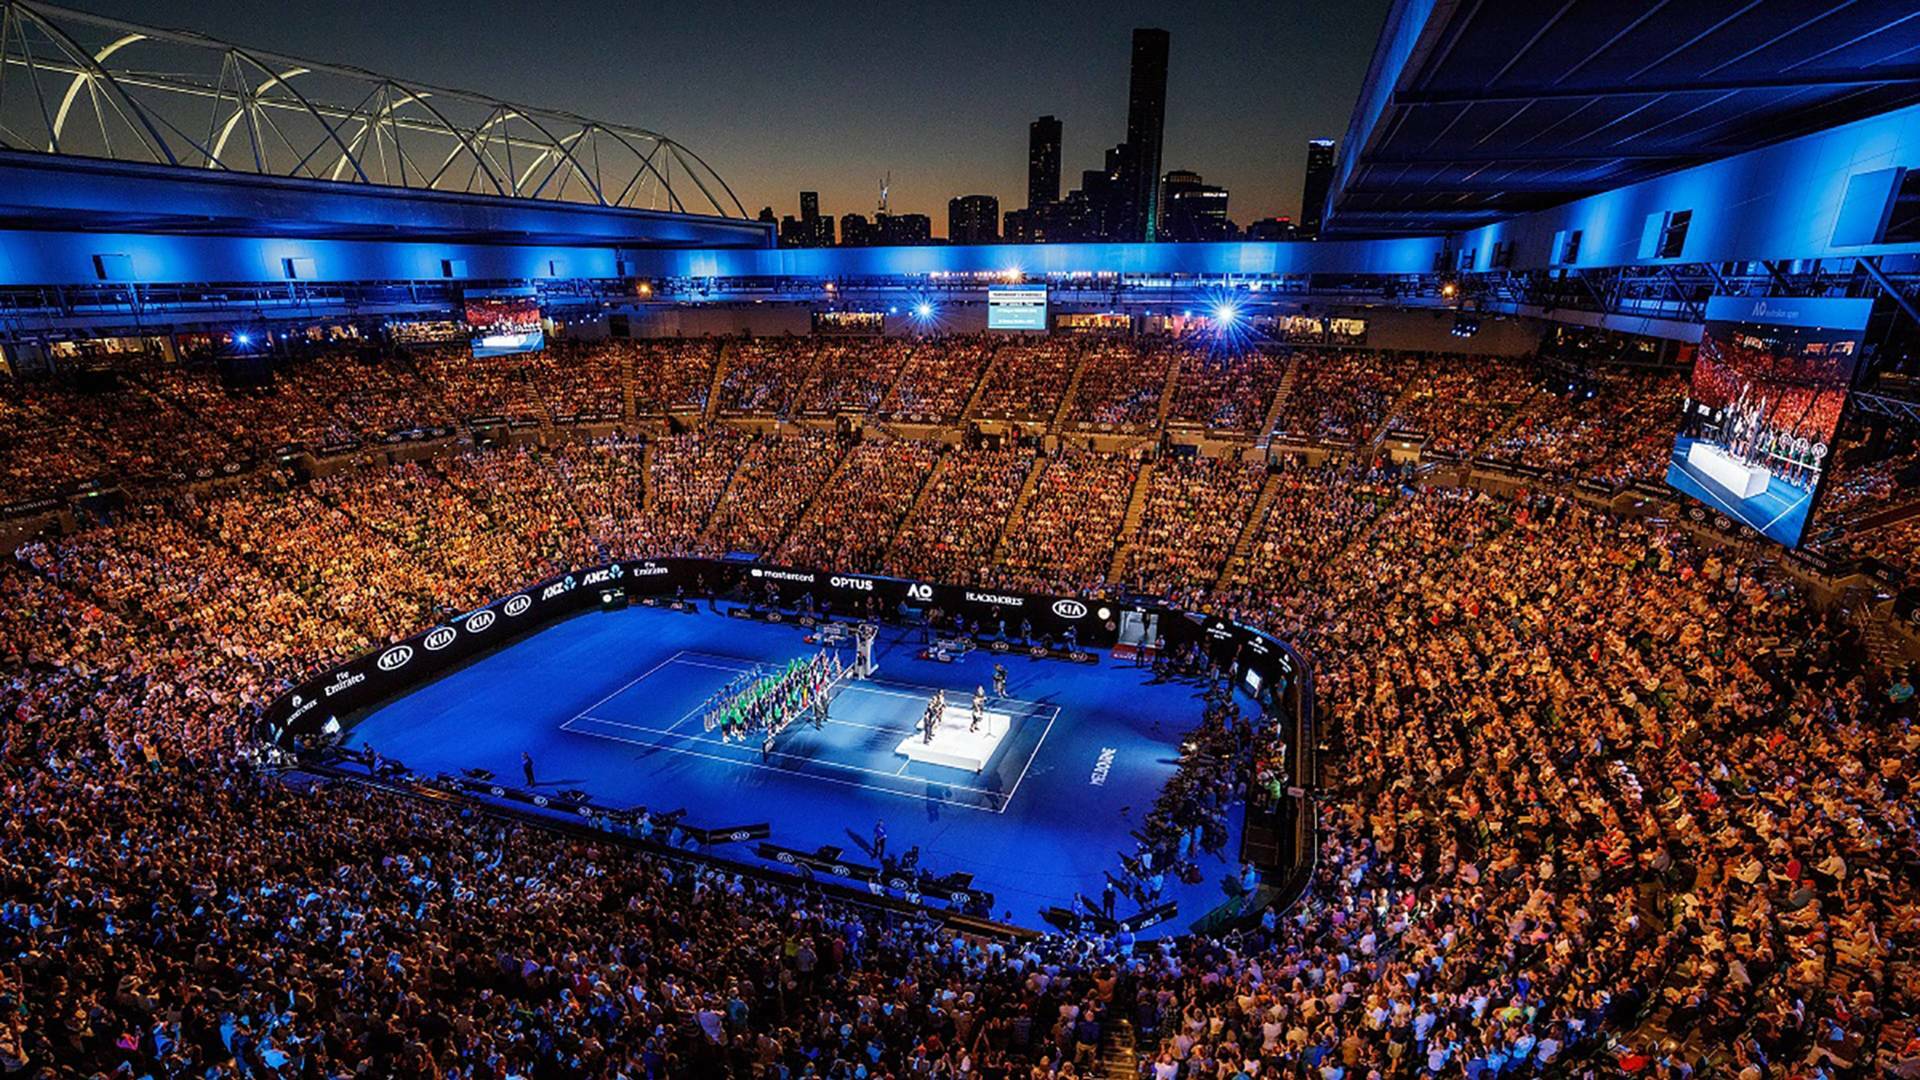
(872, 689)
(789, 772)
(1797, 503)
(696, 709)
(720, 667)
(668, 730)
(623, 689)
(781, 754)
(850, 685)
(1730, 511)
(1023, 769)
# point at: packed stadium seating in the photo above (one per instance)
(1603, 795)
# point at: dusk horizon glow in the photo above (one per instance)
(834, 98)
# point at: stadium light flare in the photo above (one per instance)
(1225, 315)
(923, 310)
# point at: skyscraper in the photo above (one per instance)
(1146, 122)
(809, 205)
(1195, 209)
(1043, 162)
(1319, 179)
(973, 219)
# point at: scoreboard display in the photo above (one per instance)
(1023, 308)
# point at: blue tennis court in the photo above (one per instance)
(853, 746)
(615, 703)
(1778, 513)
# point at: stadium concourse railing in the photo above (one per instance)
(1279, 836)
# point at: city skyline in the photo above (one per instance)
(781, 98)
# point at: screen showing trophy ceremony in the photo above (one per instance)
(1768, 388)
(505, 324)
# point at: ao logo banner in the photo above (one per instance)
(395, 658)
(920, 592)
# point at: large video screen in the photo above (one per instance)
(1769, 384)
(499, 325)
(1017, 309)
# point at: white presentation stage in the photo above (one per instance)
(953, 745)
(1744, 481)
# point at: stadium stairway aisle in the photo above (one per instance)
(1236, 563)
(1136, 509)
(1073, 390)
(1119, 1052)
(1392, 414)
(627, 377)
(713, 384)
(1019, 509)
(1279, 402)
(1167, 389)
(980, 384)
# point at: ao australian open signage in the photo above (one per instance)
(382, 673)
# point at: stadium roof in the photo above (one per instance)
(1476, 110)
(79, 86)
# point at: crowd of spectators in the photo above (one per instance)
(39, 451)
(1616, 428)
(777, 478)
(254, 419)
(579, 380)
(1342, 397)
(670, 375)
(939, 379)
(1459, 402)
(1601, 797)
(852, 375)
(952, 532)
(1195, 511)
(1310, 518)
(686, 475)
(1859, 486)
(1121, 384)
(1028, 379)
(1592, 781)
(1229, 390)
(765, 375)
(480, 386)
(850, 527)
(1062, 540)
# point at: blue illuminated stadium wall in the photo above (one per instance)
(1400, 256)
(1780, 202)
(59, 258)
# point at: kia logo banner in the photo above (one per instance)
(1003, 622)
